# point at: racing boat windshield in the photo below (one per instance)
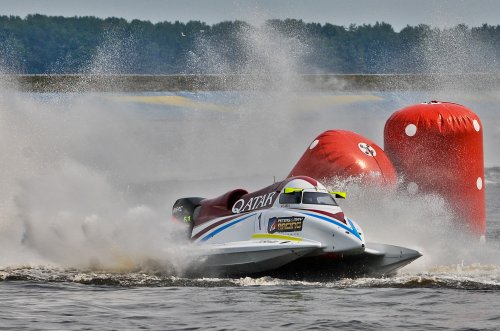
(290, 198)
(318, 198)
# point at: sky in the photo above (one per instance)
(399, 13)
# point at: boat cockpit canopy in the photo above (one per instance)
(312, 198)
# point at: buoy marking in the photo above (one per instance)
(314, 144)
(411, 130)
(367, 149)
(477, 127)
(479, 183)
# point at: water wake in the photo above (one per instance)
(468, 277)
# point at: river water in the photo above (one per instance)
(89, 181)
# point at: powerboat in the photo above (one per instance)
(291, 229)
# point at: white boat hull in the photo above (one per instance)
(299, 260)
(249, 257)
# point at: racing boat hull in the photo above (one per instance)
(378, 260)
(300, 261)
(248, 257)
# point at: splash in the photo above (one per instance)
(69, 161)
(472, 277)
(66, 200)
(457, 51)
(88, 182)
(421, 221)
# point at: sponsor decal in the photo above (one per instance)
(285, 224)
(260, 201)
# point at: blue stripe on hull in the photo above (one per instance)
(351, 229)
(222, 228)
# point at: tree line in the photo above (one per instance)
(39, 44)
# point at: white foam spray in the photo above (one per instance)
(68, 162)
(89, 182)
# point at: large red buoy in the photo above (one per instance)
(438, 147)
(343, 154)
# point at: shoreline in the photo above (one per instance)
(321, 82)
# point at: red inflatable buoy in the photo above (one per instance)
(438, 147)
(343, 154)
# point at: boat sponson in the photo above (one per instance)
(376, 261)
